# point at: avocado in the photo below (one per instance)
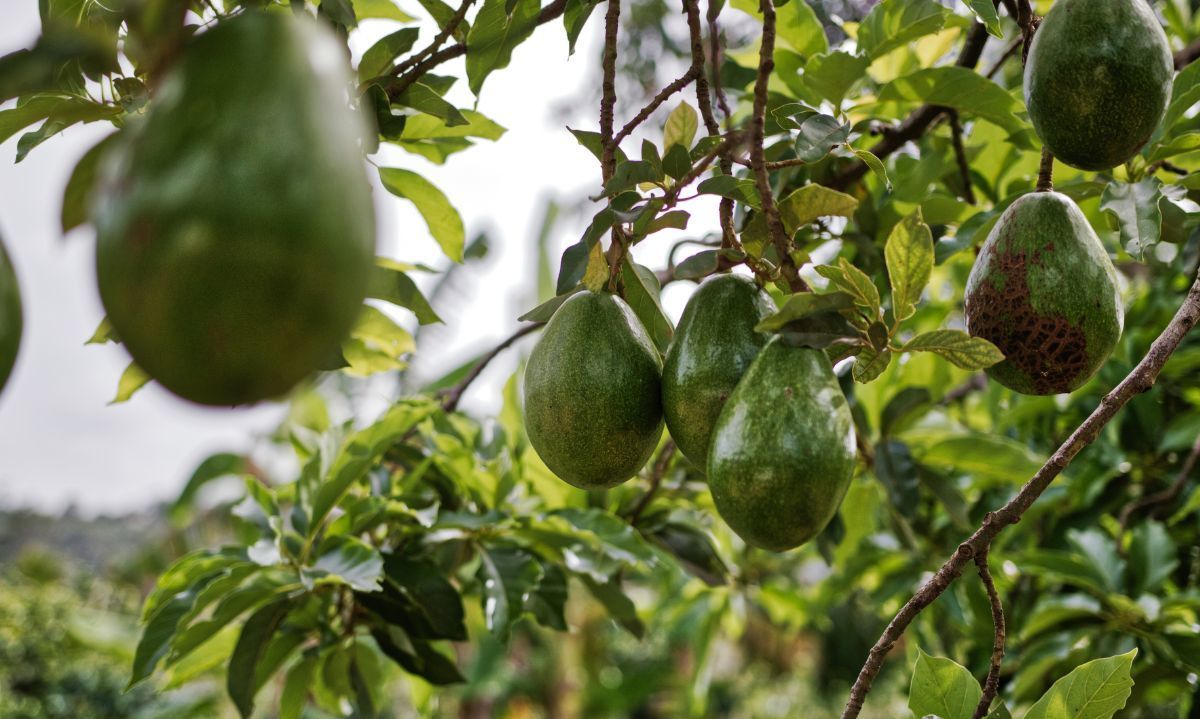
(235, 223)
(593, 394)
(711, 350)
(1098, 80)
(783, 449)
(1044, 291)
(10, 317)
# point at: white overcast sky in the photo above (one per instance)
(61, 445)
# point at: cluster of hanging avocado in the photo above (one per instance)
(235, 222)
(767, 421)
(1043, 289)
(10, 317)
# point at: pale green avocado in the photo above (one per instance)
(711, 350)
(593, 407)
(10, 317)
(235, 223)
(1098, 80)
(783, 450)
(1044, 291)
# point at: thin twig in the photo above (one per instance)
(775, 165)
(1139, 380)
(451, 25)
(656, 477)
(775, 228)
(1166, 496)
(714, 52)
(960, 154)
(991, 685)
(644, 114)
(1008, 54)
(452, 396)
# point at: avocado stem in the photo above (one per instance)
(1045, 181)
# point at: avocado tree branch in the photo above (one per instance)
(1045, 181)
(1165, 497)
(656, 477)
(775, 228)
(960, 154)
(451, 25)
(991, 685)
(1139, 380)
(1187, 55)
(453, 396)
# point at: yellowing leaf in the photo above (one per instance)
(681, 127)
(909, 256)
(958, 347)
(443, 220)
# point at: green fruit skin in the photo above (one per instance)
(235, 225)
(1044, 291)
(713, 346)
(10, 317)
(593, 396)
(1098, 80)
(783, 450)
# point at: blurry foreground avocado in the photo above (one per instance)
(712, 347)
(10, 316)
(1098, 80)
(593, 403)
(235, 224)
(783, 450)
(1044, 291)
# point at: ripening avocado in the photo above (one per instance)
(10, 317)
(1044, 291)
(1098, 80)
(593, 395)
(783, 449)
(235, 223)
(711, 350)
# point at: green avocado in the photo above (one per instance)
(235, 223)
(593, 396)
(1044, 291)
(1098, 80)
(783, 450)
(712, 347)
(10, 316)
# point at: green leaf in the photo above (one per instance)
(820, 330)
(443, 220)
(78, 192)
(442, 13)
(681, 127)
(909, 255)
(812, 201)
(961, 349)
(985, 10)
(378, 59)
(212, 468)
(642, 294)
(508, 575)
(1185, 93)
(630, 174)
(574, 18)
(701, 264)
(895, 23)
(546, 310)
(943, 688)
(422, 583)
(1051, 611)
(132, 379)
(678, 162)
(237, 601)
(423, 98)
(162, 626)
(1095, 690)
(855, 282)
(103, 334)
(619, 606)
(832, 75)
(1152, 557)
(427, 127)
(499, 27)
(376, 344)
(868, 158)
(548, 602)
(1136, 212)
(960, 88)
(870, 363)
(1175, 146)
(380, 10)
(390, 283)
(803, 304)
(818, 133)
(418, 658)
(982, 456)
(250, 650)
(348, 561)
(295, 688)
(740, 189)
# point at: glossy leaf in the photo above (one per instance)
(499, 27)
(943, 688)
(1095, 690)
(1136, 213)
(958, 347)
(443, 220)
(909, 254)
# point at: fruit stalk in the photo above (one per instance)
(1045, 181)
(1139, 380)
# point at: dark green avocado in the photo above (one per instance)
(1044, 291)
(783, 450)
(593, 396)
(1098, 80)
(10, 316)
(711, 350)
(235, 223)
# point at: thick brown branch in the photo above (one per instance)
(991, 685)
(1166, 496)
(960, 153)
(1137, 381)
(918, 121)
(775, 228)
(453, 396)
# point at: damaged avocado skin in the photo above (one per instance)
(1045, 292)
(1098, 80)
(783, 450)
(593, 392)
(713, 346)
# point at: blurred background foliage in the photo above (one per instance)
(428, 564)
